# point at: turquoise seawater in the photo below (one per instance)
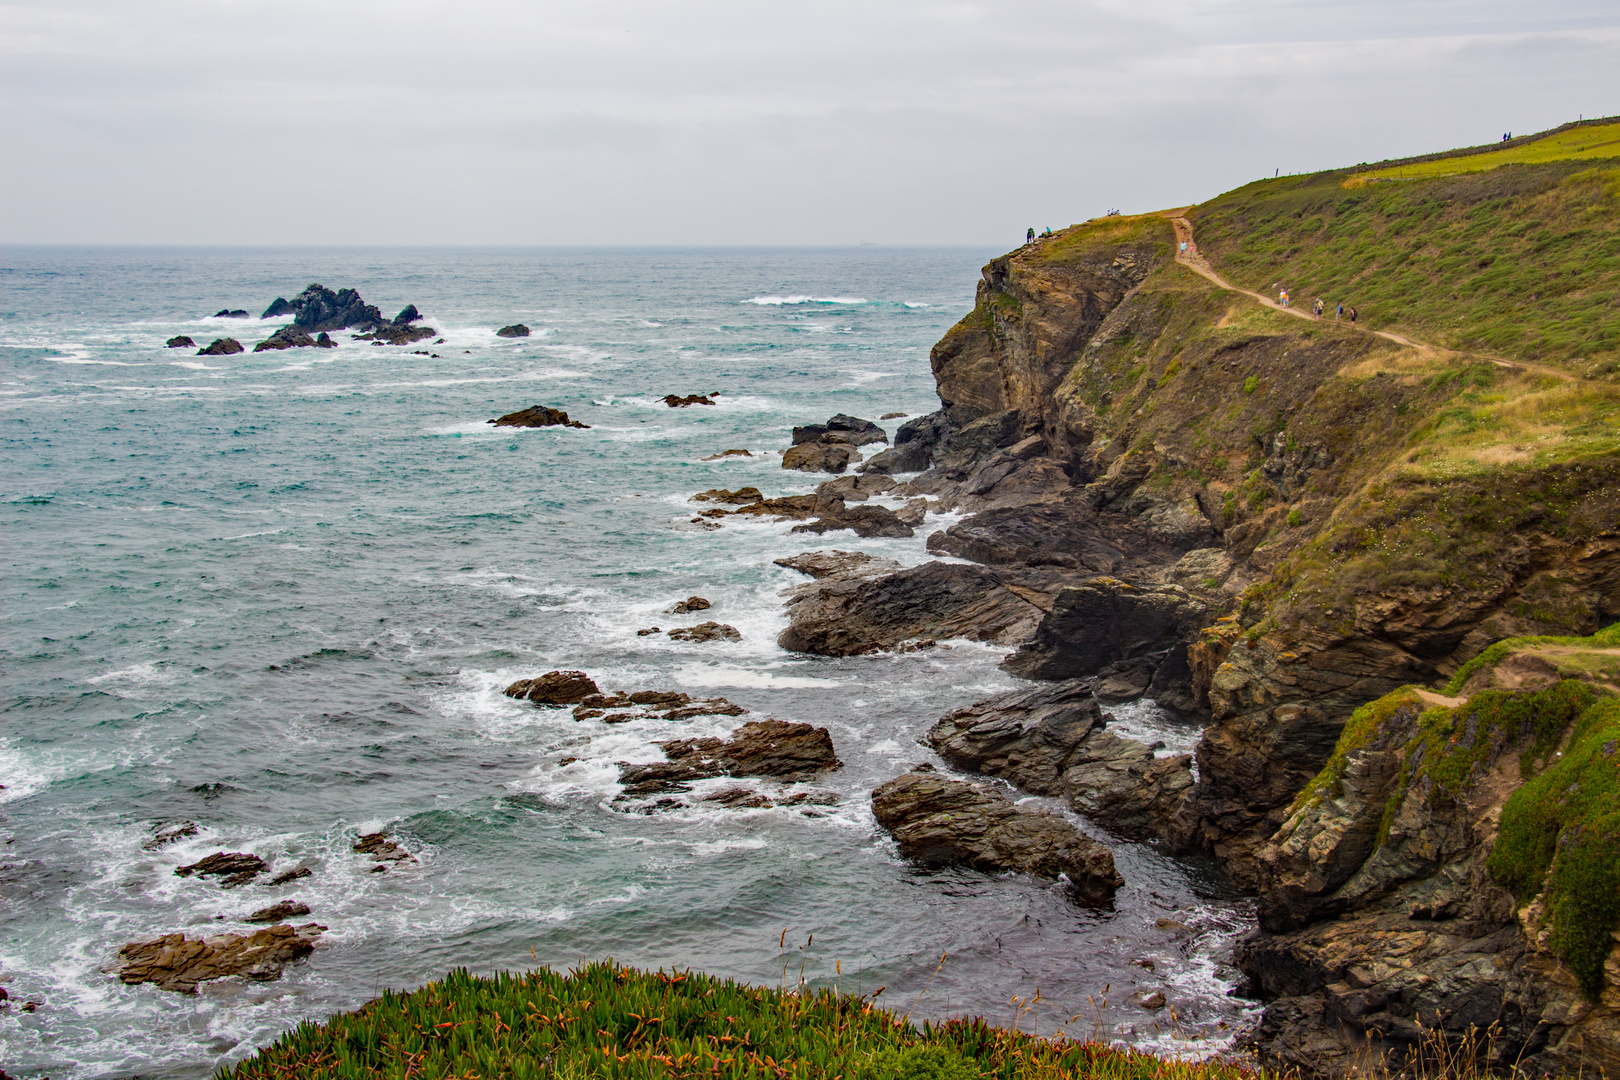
(279, 594)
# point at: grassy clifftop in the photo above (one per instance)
(1514, 254)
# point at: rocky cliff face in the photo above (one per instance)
(1230, 509)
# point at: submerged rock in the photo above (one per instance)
(690, 604)
(284, 909)
(176, 962)
(170, 834)
(514, 331)
(536, 416)
(288, 337)
(179, 342)
(230, 313)
(721, 495)
(728, 453)
(233, 868)
(225, 346)
(708, 631)
(555, 688)
(381, 849)
(939, 822)
(393, 334)
(675, 401)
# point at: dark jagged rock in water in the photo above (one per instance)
(675, 401)
(233, 868)
(864, 520)
(323, 340)
(288, 876)
(319, 308)
(555, 688)
(407, 316)
(1051, 740)
(690, 604)
(170, 835)
(820, 457)
(230, 313)
(761, 748)
(225, 346)
(288, 337)
(513, 331)
(176, 962)
(538, 416)
(393, 334)
(728, 453)
(842, 428)
(179, 341)
(892, 416)
(940, 822)
(855, 488)
(741, 496)
(284, 909)
(708, 631)
(381, 849)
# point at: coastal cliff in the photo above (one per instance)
(1278, 523)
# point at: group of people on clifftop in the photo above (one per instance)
(1284, 300)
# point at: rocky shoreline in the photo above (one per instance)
(1102, 554)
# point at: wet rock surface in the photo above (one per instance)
(516, 330)
(727, 454)
(676, 401)
(555, 688)
(690, 604)
(741, 496)
(843, 428)
(381, 849)
(820, 457)
(1052, 740)
(278, 912)
(179, 341)
(536, 416)
(397, 334)
(230, 313)
(222, 347)
(178, 963)
(850, 616)
(706, 631)
(937, 821)
(233, 868)
(320, 308)
(168, 834)
(773, 748)
(1106, 621)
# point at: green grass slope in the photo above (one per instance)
(605, 1020)
(1514, 255)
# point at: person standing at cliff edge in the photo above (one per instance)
(1029, 237)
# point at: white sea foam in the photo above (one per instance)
(724, 675)
(798, 298)
(191, 365)
(1147, 722)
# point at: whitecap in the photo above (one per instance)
(799, 298)
(192, 365)
(702, 675)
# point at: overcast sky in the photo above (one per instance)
(472, 122)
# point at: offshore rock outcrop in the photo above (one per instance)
(177, 962)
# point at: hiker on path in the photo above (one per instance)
(1319, 306)
(1337, 315)
(1352, 314)
(1029, 237)
(1282, 298)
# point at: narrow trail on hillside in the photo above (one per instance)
(1192, 260)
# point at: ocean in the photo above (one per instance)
(279, 595)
